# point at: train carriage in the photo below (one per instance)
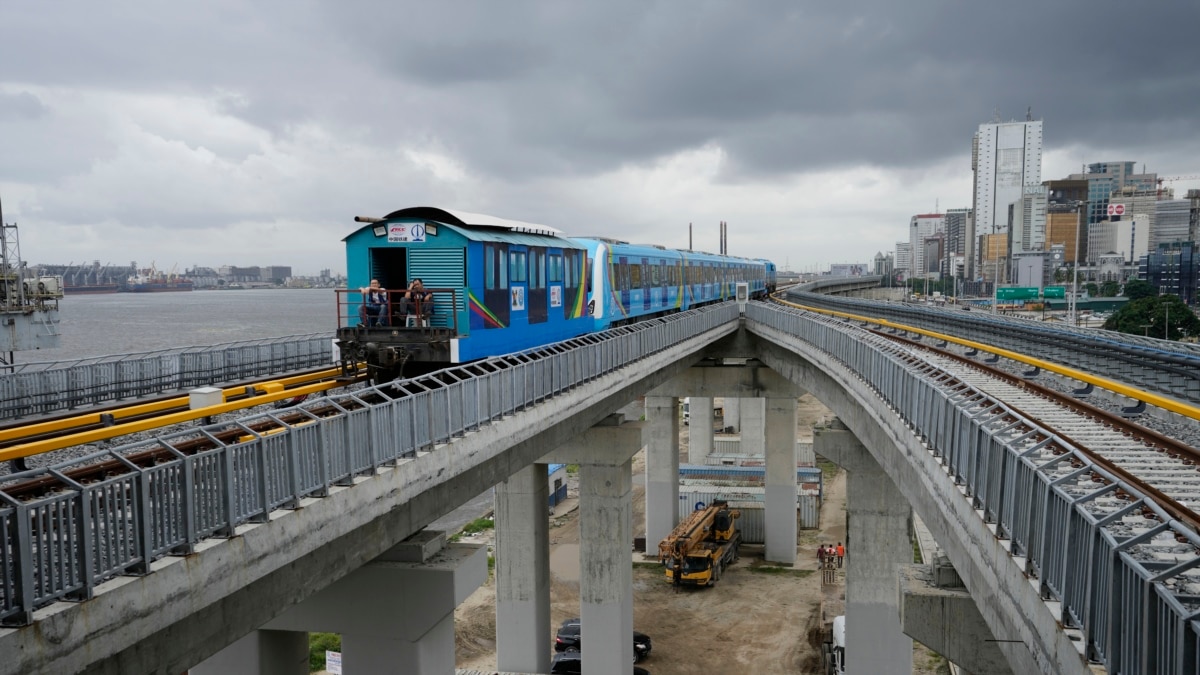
(634, 282)
(498, 286)
(501, 286)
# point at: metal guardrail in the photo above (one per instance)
(1127, 575)
(40, 388)
(61, 545)
(1163, 366)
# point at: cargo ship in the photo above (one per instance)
(91, 289)
(156, 283)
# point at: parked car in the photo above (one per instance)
(568, 638)
(570, 662)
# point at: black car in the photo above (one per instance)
(567, 638)
(570, 662)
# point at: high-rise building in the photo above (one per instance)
(884, 266)
(992, 251)
(957, 225)
(1005, 157)
(1105, 178)
(1064, 227)
(904, 259)
(1173, 268)
(919, 227)
(1172, 222)
(1027, 221)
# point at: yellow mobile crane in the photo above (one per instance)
(703, 545)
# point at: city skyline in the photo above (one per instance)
(816, 132)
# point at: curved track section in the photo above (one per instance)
(1160, 366)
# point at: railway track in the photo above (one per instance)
(49, 437)
(1165, 468)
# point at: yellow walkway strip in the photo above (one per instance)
(82, 438)
(137, 409)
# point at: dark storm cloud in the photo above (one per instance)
(21, 106)
(518, 91)
(782, 87)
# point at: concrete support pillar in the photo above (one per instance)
(661, 436)
(263, 652)
(753, 426)
(733, 413)
(396, 613)
(780, 493)
(700, 429)
(606, 568)
(523, 572)
(878, 543)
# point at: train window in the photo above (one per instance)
(556, 268)
(656, 275)
(635, 272)
(495, 274)
(537, 268)
(518, 271)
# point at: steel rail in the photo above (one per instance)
(1149, 437)
(81, 429)
(1151, 398)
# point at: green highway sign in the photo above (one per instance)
(1017, 293)
(1055, 292)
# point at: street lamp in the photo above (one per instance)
(1074, 300)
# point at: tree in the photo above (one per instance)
(1092, 289)
(1148, 316)
(1109, 289)
(1136, 289)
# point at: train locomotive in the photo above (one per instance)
(499, 286)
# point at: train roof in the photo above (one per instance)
(468, 219)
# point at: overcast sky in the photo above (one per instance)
(252, 133)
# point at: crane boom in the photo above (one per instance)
(702, 545)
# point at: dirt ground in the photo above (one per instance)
(757, 619)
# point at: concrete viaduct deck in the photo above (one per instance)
(188, 608)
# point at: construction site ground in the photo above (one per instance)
(758, 618)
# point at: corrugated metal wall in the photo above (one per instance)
(728, 450)
(748, 499)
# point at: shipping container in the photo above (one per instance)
(557, 483)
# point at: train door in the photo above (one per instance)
(538, 299)
(645, 285)
(389, 264)
(574, 281)
(663, 283)
(518, 285)
(622, 283)
(495, 286)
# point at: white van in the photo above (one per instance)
(687, 413)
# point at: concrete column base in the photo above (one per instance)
(263, 652)
(396, 613)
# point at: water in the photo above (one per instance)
(125, 323)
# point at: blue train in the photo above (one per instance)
(499, 286)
